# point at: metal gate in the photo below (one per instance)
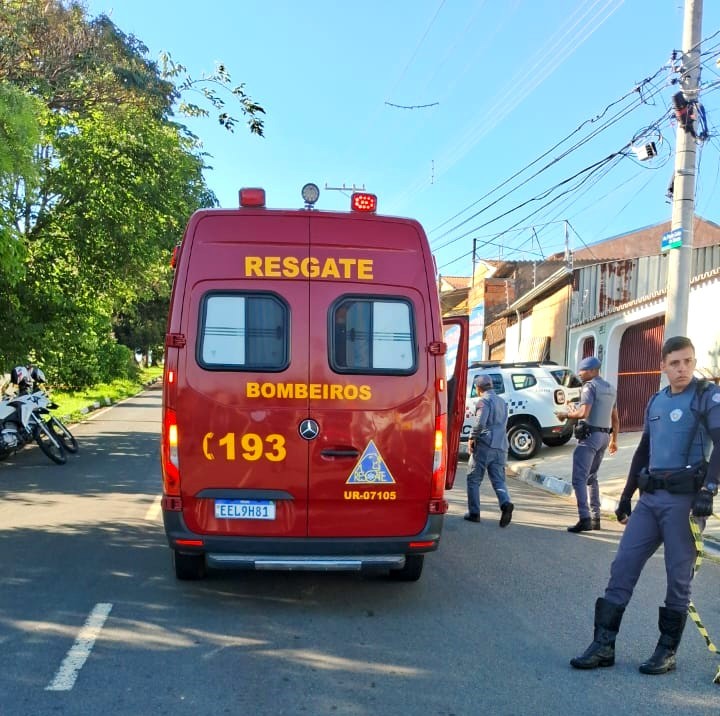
(638, 371)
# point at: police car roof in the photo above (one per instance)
(517, 364)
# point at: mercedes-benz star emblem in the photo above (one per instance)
(309, 429)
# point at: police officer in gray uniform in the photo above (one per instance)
(488, 444)
(676, 467)
(596, 432)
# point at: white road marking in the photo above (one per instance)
(153, 512)
(77, 656)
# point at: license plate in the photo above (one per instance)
(245, 509)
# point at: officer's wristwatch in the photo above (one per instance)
(711, 487)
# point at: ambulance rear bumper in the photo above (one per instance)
(317, 554)
(305, 562)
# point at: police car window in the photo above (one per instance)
(521, 381)
(243, 331)
(498, 384)
(566, 377)
(372, 336)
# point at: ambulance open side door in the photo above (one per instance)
(456, 365)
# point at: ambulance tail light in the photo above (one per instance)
(437, 489)
(169, 454)
(252, 197)
(361, 201)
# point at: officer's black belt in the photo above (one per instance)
(683, 481)
(596, 429)
(655, 483)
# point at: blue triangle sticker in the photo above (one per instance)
(370, 469)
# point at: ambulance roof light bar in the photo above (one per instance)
(252, 197)
(362, 201)
(310, 194)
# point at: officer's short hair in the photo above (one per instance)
(676, 343)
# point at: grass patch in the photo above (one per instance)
(71, 404)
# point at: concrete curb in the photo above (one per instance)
(105, 402)
(608, 503)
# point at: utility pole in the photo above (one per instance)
(683, 206)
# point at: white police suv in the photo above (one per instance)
(533, 391)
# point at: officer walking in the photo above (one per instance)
(597, 431)
(675, 478)
(488, 445)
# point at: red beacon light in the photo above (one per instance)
(175, 255)
(252, 196)
(361, 201)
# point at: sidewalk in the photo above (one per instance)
(551, 470)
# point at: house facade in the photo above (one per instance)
(607, 300)
(617, 312)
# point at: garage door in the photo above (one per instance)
(639, 371)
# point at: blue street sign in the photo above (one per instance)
(672, 240)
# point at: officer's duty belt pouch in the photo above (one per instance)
(581, 430)
(679, 482)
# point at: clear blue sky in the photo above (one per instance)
(506, 80)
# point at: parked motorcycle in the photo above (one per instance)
(45, 405)
(22, 419)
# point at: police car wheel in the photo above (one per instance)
(523, 441)
(188, 566)
(557, 442)
(411, 571)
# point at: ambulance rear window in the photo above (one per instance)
(372, 335)
(243, 331)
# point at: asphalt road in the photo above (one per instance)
(92, 620)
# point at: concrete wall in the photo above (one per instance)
(550, 319)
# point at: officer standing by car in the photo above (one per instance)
(596, 431)
(488, 444)
(671, 468)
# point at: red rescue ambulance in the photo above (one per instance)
(306, 391)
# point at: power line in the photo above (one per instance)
(589, 171)
(612, 120)
(590, 175)
(644, 98)
(417, 48)
(555, 52)
(412, 106)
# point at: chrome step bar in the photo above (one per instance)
(305, 562)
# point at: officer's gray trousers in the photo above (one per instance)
(493, 461)
(658, 518)
(587, 457)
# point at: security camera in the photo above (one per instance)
(645, 151)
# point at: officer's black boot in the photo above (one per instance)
(584, 524)
(602, 650)
(671, 624)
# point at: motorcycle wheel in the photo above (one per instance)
(61, 432)
(49, 444)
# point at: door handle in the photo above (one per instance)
(340, 452)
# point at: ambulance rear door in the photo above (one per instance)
(243, 462)
(372, 394)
